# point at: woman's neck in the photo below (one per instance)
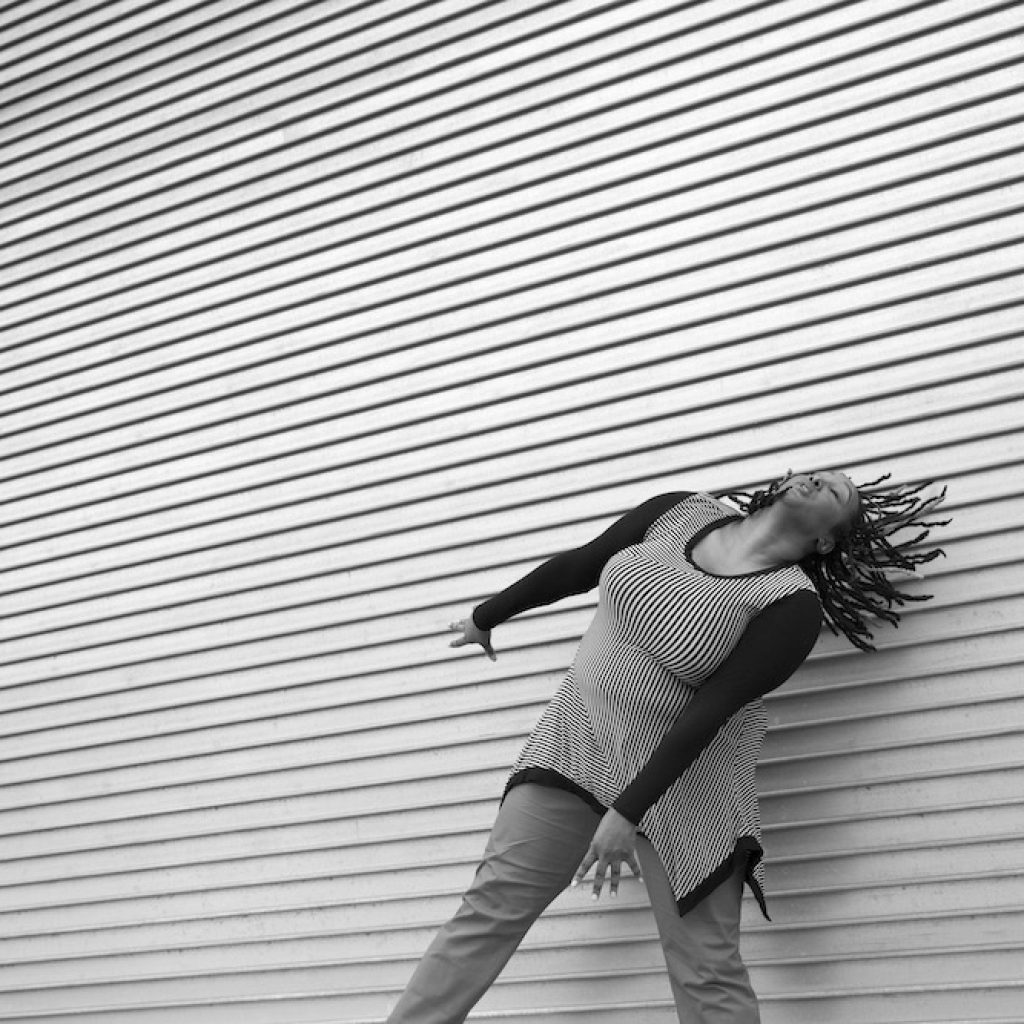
(758, 542)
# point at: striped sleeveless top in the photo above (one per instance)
(663, 625)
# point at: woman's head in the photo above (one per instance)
(821, 507)
(852, 545)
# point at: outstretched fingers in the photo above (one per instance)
(585, 865)
(471, 634)
(605, 869)
(457, 627)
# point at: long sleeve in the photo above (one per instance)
(575, 571)
(772, 647)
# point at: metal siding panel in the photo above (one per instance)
(740, 133)
(981, 360)
(338, 60)
(424, 265)
(157, 67)
(964, 118)
(313, 475)
(271, 421)
(366, 458)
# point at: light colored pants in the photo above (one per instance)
(540, 837)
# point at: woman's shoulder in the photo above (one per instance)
(677, 515)
(669, 499)
(699, 504)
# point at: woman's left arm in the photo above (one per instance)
(773, 646)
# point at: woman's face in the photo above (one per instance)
(820, 503)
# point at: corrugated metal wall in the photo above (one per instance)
(322, 322)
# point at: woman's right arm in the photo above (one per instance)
(571, 572)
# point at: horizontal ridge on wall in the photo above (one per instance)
(331, 719)
(192, 760)
(662, 14)
(370, 489)
(460, 153)
(64, 72)
(455, 709)
(896, 787)
(384, 603)
(892, 861)
(378, 440)
(459, 56)
(877, 190)
(708, 320)
(911, 317)
(352, 604)
(419, 40)
(996, 548)
(536, 662)
(911, 151)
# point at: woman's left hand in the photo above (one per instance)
(614, 842)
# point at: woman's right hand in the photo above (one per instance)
(472, 634)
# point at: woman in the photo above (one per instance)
(648, 750)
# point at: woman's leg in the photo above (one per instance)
(709, 980)
(538, 840)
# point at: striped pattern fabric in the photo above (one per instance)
(662, 627)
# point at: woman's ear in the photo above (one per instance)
(823, 545)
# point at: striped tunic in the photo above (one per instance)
(662, 629)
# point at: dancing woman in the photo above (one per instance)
(646, 754)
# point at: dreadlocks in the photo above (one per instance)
(852, 579)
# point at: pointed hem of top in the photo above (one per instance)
(746, 854)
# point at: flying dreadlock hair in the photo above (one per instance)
(851, 579)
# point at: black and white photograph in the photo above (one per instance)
(511, 511)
